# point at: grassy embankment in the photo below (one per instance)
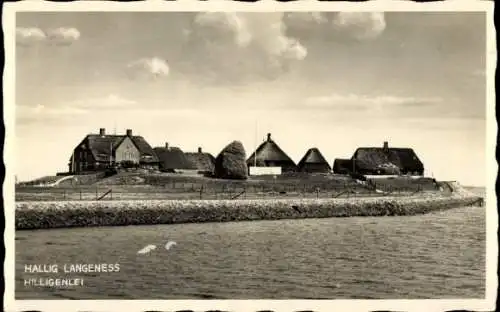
(46, 214)
(130, 186)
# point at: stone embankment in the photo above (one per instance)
(63, 214)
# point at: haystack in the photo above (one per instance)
(230, 163)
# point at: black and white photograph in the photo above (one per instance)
(244, 155)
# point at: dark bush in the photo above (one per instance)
(129, 164)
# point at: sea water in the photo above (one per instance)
(437, 255)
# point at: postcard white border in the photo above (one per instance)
(8, 22)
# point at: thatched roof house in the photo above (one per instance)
(98, 151)
(172, 158)
(203, 162)
(269, 154)
(342, 166)
(386, 160)
(313, 161)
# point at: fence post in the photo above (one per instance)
(64, 194)
(96, 194)
(80, 194)
(201, 191)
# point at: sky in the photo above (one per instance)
(331, 80)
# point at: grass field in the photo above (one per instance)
(142, 186)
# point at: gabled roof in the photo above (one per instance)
(172, 158)
(376, 157)
(269, 151)
(102, 146)
(201, 161)
(313, 156)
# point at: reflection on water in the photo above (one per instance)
(439, 255)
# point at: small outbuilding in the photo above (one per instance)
(342, 166)
(172, 159)
(202, 161)
(313, 162)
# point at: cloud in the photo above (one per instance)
(234, 45)
(27, 36)
(63, 35)
(57, 36)
(356, 25)
(361, 25)
(353, 101)
(148, 68)
(111, 101)
(42, 113)
(76, 108)
(227, 25)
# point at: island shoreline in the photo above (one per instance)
(68, 214)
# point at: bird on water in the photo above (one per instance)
(150, 248)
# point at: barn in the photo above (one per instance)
(202, 161)
(313, 161)
(387, 161)
(269, 154)
(172, 159)
(101, 151)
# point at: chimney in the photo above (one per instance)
(386, 146)
(268, 137)
(102, 132)
(129, 132)
(166, 145)
(199, 150)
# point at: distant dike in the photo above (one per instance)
(46, 215)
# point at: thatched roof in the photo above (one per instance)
(102, 145)
(270, 153)
(201, 161)
(313, 157)
(388, 160)
(172, 158)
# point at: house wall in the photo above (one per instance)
(311, 168)
(84, 160)
(264, 170)
(127, 151)
(285, 166)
